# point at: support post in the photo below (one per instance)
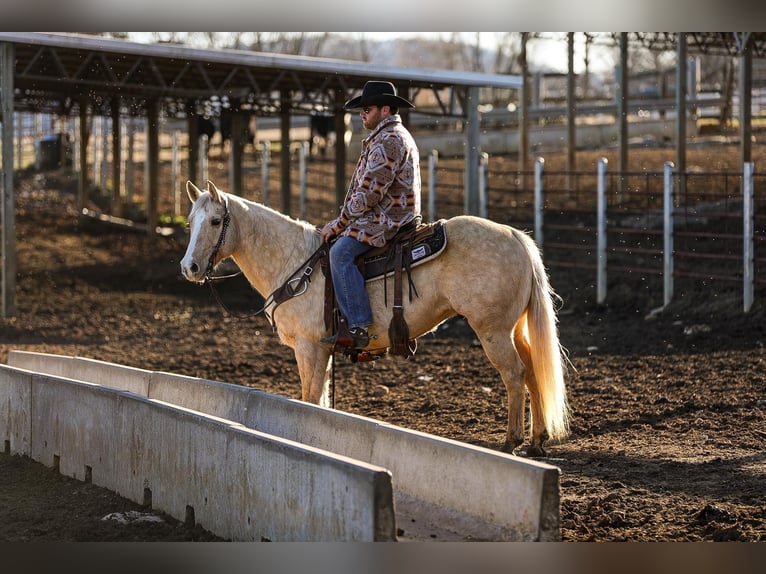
(524, 105)
(539, 201)
(82, 190)
(265, 159)
(236, 148)
(622, 112)
(681, 99)
(483, 184)
(748, 249)
(471, 200)
(284, 153)
(571, 112)
(746, 100)
(7, 218)
(601, 232)
(118, 193)
(303, 166)
(152, 164)
(433, 162)
(668, 227)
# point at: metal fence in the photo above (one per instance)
(644, 231)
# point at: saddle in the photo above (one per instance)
(414, 244)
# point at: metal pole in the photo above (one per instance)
(433, 161)
(471, 200)
(668, 221)
(175, 173)
(118, 193)
(265, 158)
(303, 168)
(202, 161)
(7, 217)
(622, 112)
(483, 184)
(601, 232)
(152, 181)
(571, 112)
(129, 169)
(748, 252)
(681, 107)
(524, 105)
(539, 166)
(746, 100)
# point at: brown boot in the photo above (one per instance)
(357, 338)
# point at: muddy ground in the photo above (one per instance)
(669, 410)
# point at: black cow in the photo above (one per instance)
(210, 126)
(323, 132)
(225, 122)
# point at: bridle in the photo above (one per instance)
(217, 247)
(211, 279)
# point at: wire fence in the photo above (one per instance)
(711, 229)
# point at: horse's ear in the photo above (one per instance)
(192, 191)
(214, 191)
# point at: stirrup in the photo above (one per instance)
(357, 338)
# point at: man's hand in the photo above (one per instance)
(327, 232)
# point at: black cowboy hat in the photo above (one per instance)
(377, 93)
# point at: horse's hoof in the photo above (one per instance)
(534, 451)
(510, 447)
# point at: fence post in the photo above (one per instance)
(538, 207)
(483, 183)
(433, 161)
(203, 151)
(265, 158)
(601, 232)
(303, 154)
(668, 223)
(175, 171)
(748, 254)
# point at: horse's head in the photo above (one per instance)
(208, 220)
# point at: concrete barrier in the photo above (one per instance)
(442, 488)
(239, 483)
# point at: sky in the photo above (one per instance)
(548, 52)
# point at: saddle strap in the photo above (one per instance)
(297, 284)
(329, 291)
(398, 330)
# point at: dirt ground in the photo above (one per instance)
(669, 411)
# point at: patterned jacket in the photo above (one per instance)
(384, 193)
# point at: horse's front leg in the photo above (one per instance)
(313, 366)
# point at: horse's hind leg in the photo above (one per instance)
(539, 432)
(501, 353)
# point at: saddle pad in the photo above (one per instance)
(428, 242)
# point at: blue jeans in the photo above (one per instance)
(349, 282)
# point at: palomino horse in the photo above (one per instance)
(489, 273)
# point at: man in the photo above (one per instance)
(384, 195)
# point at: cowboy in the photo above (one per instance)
(383, 196)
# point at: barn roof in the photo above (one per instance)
(55, 70)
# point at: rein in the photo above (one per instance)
(295, 286)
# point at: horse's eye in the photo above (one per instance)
(215, 221)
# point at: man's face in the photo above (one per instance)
(371, 116)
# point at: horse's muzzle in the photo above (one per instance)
(192, 272)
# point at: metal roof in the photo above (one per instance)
(56, 70)
(713, 43)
